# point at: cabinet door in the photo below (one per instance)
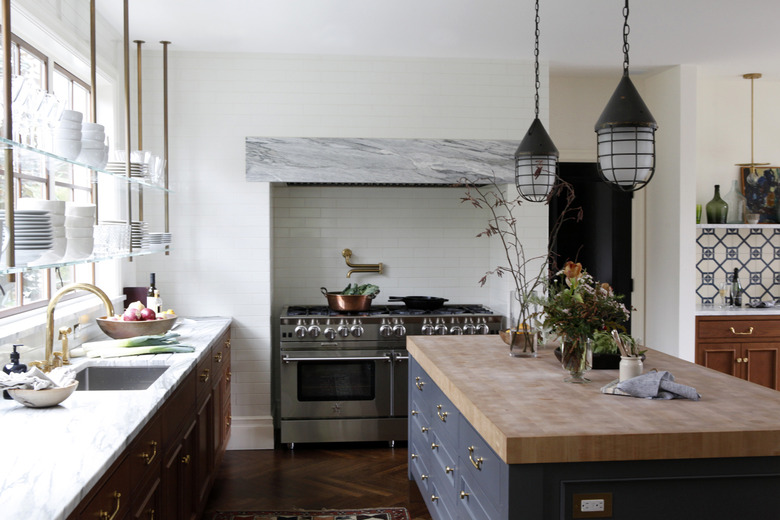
(761, 362)
(148, 502)
(204, 456)
(723, 357)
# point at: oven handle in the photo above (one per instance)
(288, 359)
(401, 358)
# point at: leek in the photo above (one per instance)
(137, 341)
(112, 352)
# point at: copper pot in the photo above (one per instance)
(347, 303)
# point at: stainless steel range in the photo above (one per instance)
(343, 376)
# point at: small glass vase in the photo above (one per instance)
(717, 209)
(577, 357)
(736, 205)
(522, 331)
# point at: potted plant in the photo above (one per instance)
(576, 308)
(529, 273)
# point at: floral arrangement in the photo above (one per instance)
(578, 306)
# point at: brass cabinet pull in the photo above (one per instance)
(744, 360)
(748, 333)
(150, 512)
(414, 456)
(204, 376)
(415, 412)
(186, 459)
(424, 429)
(218, 357)
(739, 360)
(463, 495)
(448, 469)
(442, 415)
(419, 384)
(434, 446)
(228, 375)
(227, 343)
(149, 458)
(477, 463)
(106, 516)
(228, 420)
(423, 476)
(434, 498)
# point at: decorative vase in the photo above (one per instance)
(717, 209)
(736, 203)
(577, 357)
(521, 335)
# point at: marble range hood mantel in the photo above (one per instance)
(391, 162)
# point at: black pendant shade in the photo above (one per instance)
(535, 163)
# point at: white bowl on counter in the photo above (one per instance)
(43, 398)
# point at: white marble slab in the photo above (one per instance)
(52, 457)
(715, 310)
(377, 161)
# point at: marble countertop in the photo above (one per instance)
(52, 457)
(527, 414)
(716, 310)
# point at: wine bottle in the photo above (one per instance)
(736, 289)
(150, 297)
(157, 302)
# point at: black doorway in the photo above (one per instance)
(601, 241)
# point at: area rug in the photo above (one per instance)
(389, 513)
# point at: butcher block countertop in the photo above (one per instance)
(527, 414)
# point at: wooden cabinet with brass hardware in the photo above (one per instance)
(747, 347)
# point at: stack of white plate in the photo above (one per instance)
(32, 235)
(56, 210)
(139, 235)
(137, 170)
(79, 229)
(158, 241)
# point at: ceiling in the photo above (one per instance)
(577, 36)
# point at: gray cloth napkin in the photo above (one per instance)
(36, 379)
(657, 385)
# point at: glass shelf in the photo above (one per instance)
(5, 144)
(89, 260)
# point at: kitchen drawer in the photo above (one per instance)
(205, 376)
(145, 452)
(111, 498)
(444, 417)
(440, 505)
(443, 465)
(419, 467)
(418, 422)
(473, 502)
(477, 459)
(419, 382)
(176, 410)
(738, 328)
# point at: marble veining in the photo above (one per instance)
(52, 457)
(377, 161)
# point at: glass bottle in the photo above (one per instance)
(717, 209)
(736, 203)
(151, 300)
(736, 289)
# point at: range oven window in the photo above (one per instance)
(336, 381)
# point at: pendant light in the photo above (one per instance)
(753, 176)
(626, 133)
(536, 159)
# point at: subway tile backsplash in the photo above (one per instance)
(754, 251)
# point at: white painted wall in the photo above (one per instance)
(245, 249)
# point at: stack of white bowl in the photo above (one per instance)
(56, 210)
(94, 151)
(79, 229)
(67, 135)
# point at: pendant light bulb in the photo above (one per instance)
(536, 159)
(625, 133)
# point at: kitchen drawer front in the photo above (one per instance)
(443, 465)
(474, 503)
(477, 459)
(418, 422)
(444, 417)
(205, 376)
(145, 452)
(418, 462)
(440, 505)
(737, 329)
(420, 385)
(112, 497)
(176, 410)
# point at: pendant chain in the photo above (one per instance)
(626, 30)
(536, 60)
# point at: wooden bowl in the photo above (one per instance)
(129, 329)
(42, 398)
(517, 339)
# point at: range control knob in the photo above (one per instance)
(455, 329)
(330, 333)
(482, 327)
(300, 330)
(399, 331)
(468, 327)
(385, 330)
(440, 328)
(427, 327)
(314, 329)
(343, 329)
(356, 329)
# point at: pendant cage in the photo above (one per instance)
(535, 176)
(626, 156)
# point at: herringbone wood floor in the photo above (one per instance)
(316, 476)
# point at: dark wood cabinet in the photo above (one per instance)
(168, 469)
(747, 347)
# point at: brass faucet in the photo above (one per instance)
(360, 268)
(48, 361)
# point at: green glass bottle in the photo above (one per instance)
(717, 209)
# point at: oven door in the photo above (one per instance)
(335, 384)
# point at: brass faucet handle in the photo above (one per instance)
(36, 364)
(64, 331)
(63, 336)
(56, 359)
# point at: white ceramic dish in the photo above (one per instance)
(64, 133)
(43, 398)
(92, 127)
(79, 232)
(52, 206)
(79, 210)
(68, 125)
(93, 136)
(79, 248)
(72, 221)
(72, 115)
(67, 148)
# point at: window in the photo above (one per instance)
(42, 90)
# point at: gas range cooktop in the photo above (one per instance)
(312, 311)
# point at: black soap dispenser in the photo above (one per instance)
(13, 367)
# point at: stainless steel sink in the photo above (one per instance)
(118, 378)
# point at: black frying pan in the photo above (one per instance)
(425, 303)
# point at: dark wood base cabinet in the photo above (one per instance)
(747, 347)
(168, 470)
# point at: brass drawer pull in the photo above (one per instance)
(448, 469)
(442, 415)
(218, 357)
(742, 360)
(434, 498)
(228, 375)
(423, 476)
(186, 459)
(419, 384)
(150, 513)
(748, 333)
(228, 420)
(414, 456)
(204, 376)
(434, 446)
(227, 343)
(477, 463)
(424, 429)
(415, 412)
(463, 495)
(105, 516)
(149, 458)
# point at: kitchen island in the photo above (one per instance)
(56, 460)
(498, 437)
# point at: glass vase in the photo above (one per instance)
(717, 209)
(522, 330)
(577, 357)
(736, 203)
